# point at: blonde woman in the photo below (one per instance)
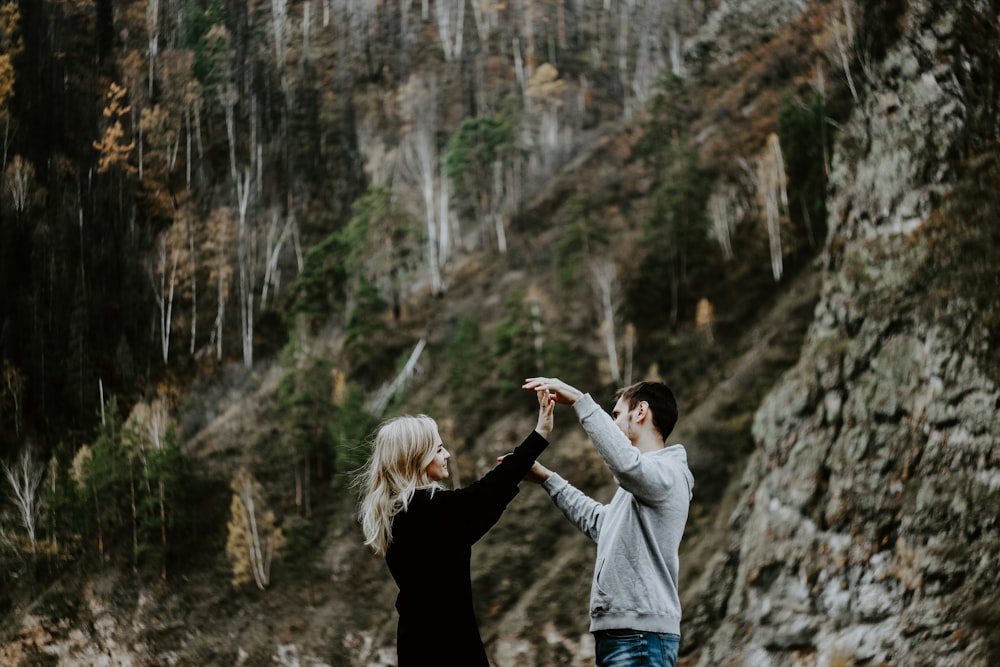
(426, 532)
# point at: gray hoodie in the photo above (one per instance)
(637, 533)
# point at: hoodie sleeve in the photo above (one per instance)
(583, 511)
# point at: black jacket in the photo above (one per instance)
(429, 558)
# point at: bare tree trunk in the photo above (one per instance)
(244, 259)
(385, 394)
(722, 223)
(164, 292)
(25, 478)
(256, 552)
(495, 212)
(275, 242)
(603, 273)
(153, 30)
(193, 258)
(419, 159)
(444, 215)
(773, 189)
(228, 96)
(843, 44)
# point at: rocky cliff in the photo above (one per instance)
(867, 532)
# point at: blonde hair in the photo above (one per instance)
(403, 448)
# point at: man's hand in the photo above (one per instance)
(536, 475)
(562, 392)
(546, 405)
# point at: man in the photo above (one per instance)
(635, 610)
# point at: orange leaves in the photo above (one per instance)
(114, 151)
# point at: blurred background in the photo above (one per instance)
(235, 236)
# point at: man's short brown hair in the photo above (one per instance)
(660, 400)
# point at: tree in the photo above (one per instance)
(476, 155)
(419, 165)
(253, 536)
(380, 247)
(165, 477)
(304, 400)
(450, 15)
(19, 177)
(25, 479)
(12, 386)
(163, 277)
(772, 188)
(11, 45)
(222, 233)
(608, 297)
(677, 255)
(112, 147)
(803, 140)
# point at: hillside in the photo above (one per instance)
(838, 391)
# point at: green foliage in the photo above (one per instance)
(680, 260)
(802, 130)
(64, 501)
(365, 262)
(319, 287)
(364, 325)
(169, 479)
(514, 355)
(463, 355)
(304, 405)
(210, 46)
(670, 115)
(323, 418)
(349, 429)
(583, 238)
(472, 151)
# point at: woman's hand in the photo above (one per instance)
(546, 405)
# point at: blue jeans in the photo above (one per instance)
(636, 648)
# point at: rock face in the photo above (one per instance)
(868, 530)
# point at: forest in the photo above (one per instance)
(196, 189)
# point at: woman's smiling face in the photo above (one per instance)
(437, 469)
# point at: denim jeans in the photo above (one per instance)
(636, 648)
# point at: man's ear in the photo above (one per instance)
(642, 411)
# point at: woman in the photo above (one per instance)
(426, 532)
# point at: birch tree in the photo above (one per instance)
(253, 536)
(25, 480)
(721, 204)
(450, 17)
(279, 230)
(603, 276)
(486, 16)
(246, 254)
(19, 177)
(419, 165)
(163, 276)
(221, 237)
(152, 37)
(772, 187)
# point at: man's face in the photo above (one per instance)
(624, 419)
